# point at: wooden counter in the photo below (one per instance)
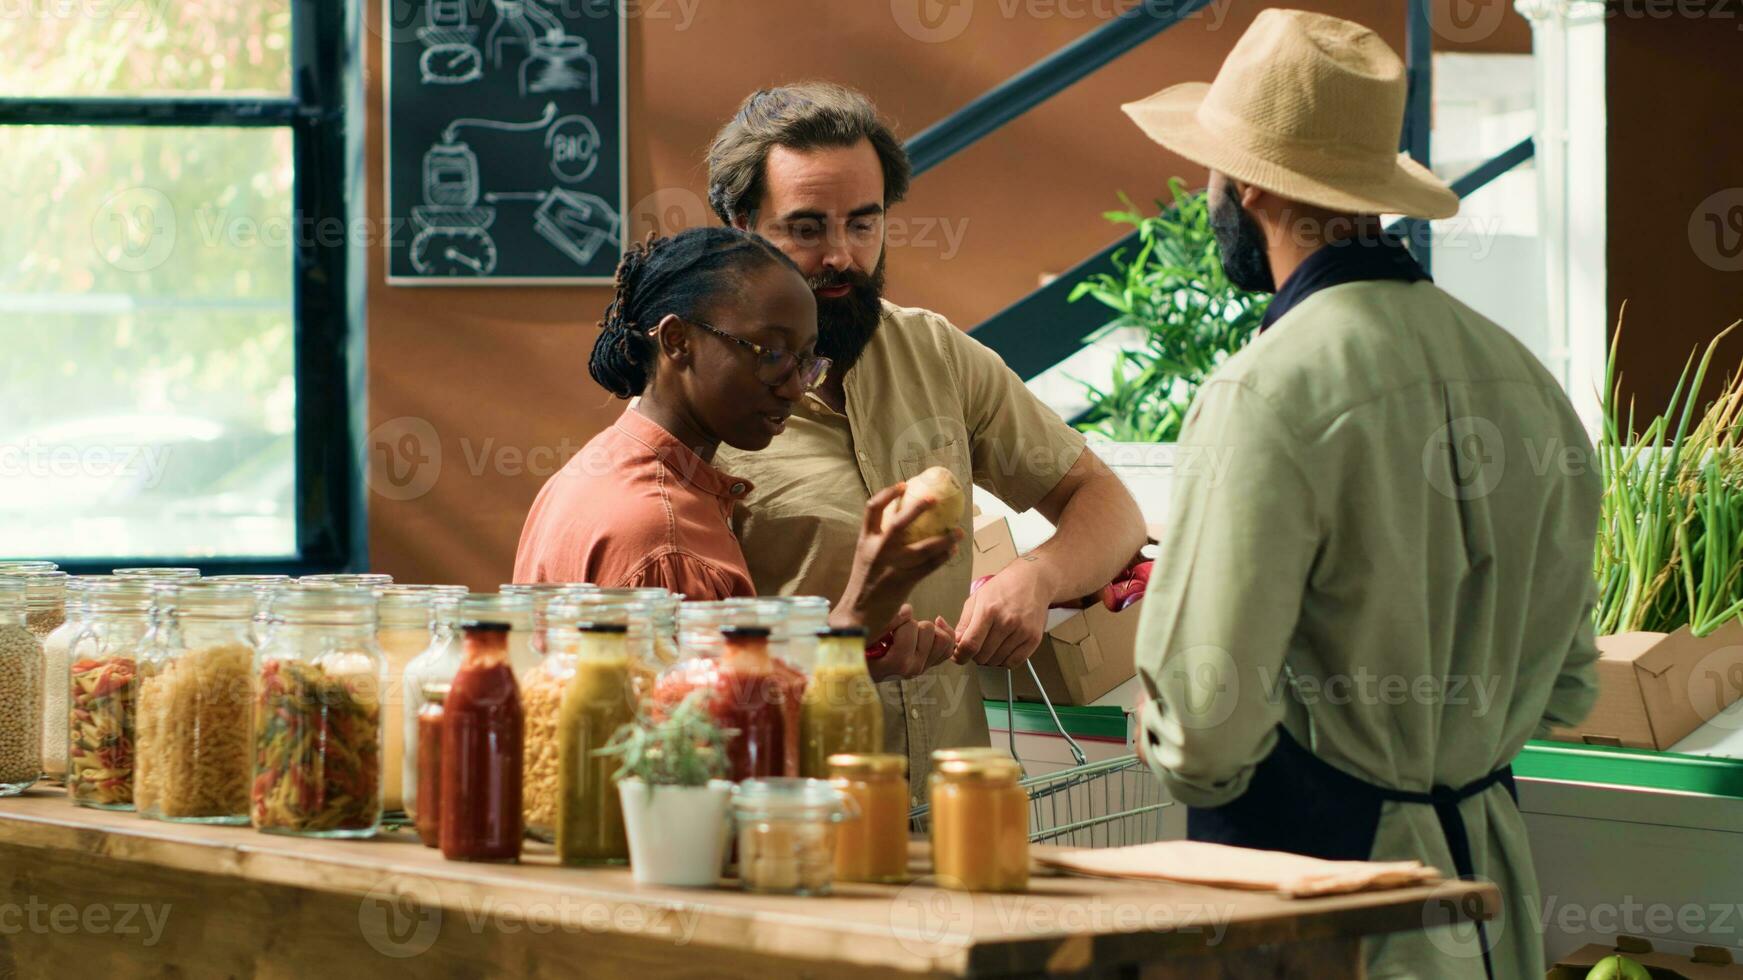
(97, 896)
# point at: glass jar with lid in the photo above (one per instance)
(265, 587)
(874, 847)
(317, 717)
(405, 631)
(433, 668)
(194, 702)
(515, 611)
(543, 689)
(54, 667)
(483, 750)
(752, 693)
(27, 565)
(21, 688)
(347, 580)
(786, 834)
(149, 572)
(663, 608)
(795, 637)
(599, 699)
(541, 595)
(980, 822)
(841, 711)
(45, 599)
(102, 661)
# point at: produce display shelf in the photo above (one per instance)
(1560, 761)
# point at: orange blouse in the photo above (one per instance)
(636, 507)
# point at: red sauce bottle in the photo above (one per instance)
(759, 697)
(483, 740)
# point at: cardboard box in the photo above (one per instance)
(1707, 963)
(994, 548)
(1656, 688)
(1086, 654)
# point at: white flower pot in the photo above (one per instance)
(677, 834)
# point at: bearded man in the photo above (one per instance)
(813, 169)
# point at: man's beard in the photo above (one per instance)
(1241, 245)
(847, 324)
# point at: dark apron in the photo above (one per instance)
(1299, 803)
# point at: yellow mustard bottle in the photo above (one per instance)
(841, 711)
(980, 822)
(599, 698)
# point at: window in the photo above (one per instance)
(172, 292)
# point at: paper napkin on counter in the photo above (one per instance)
(1199, 863)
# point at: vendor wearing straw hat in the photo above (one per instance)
(1371, 602)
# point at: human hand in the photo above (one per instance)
(1004, 620)
(914, 647)
(886, 568)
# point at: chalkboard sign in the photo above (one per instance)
(504, 136)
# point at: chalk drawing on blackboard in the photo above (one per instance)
(560, 63)
(574, 144)
(515, 27)
(450, 57)
(575, 223)
(452, 239)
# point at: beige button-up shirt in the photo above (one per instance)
(923, 394)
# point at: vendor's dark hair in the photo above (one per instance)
(804, 116)
(682, 275)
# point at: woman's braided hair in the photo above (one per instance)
(682, 274)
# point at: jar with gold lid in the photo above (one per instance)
(980, 821)
(874, 847)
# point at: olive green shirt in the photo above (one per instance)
(922, 394)
(1381, 539)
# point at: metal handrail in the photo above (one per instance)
(1043, 80)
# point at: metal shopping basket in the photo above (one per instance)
(1111, 803)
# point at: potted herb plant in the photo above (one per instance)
(674, 801)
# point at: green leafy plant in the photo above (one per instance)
(1670, 533)
(1192, 318)
(684, 748)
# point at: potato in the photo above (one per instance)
(939, 484)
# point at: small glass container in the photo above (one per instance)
(436, 666)
(700, 623)
(347, 580)
(21, 688)
(45, 599)
(543, 689)
(841, 711)
(483, 744)
(102, 661)
(265, 587)
(194, 701)
(795, 637)
(787, 834)
(27, 565)
(980, 823)
(874, 847)
(55, 650)
(541, 595)
(404, 632)
(317, 718)
(663, 610)
(427, 817)
(174, 574)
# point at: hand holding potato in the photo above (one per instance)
(888, 560)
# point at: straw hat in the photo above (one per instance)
(1308, 107)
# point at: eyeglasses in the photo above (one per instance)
(775, 367)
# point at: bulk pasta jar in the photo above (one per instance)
(404, 631)
(193, 703)
(317, 716)
(55, 651)
(20, 693)
(102, 661)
